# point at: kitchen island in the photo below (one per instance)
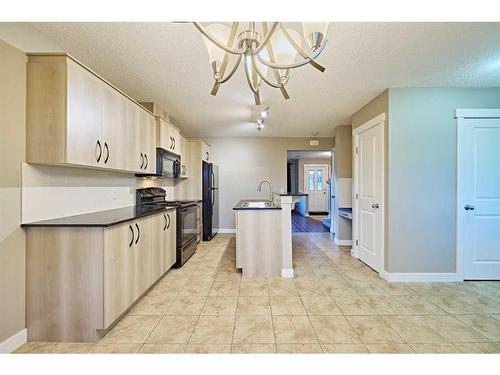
(264, 237)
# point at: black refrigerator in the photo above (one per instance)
(210, 196)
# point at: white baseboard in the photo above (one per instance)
(420, 277)
(226, 230)
(342, 242)
(287, 272)
(14, 342)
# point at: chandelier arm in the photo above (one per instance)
(267, 37)
(255, 81)
(283, 90)
(294, 65)
(228, 77)
(262, 76)
(300, 50)
(225, 60)
(248, 75)
(216, 42)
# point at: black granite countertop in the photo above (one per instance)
(103, 218)
(293, 194)
(239, 205)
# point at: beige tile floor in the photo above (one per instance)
(334, 304)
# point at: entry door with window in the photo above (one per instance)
(479, 196)
(315, 181)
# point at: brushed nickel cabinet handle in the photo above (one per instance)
(98, 145)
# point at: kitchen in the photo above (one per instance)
(150, 225)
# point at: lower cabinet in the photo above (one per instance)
(164, 243)
(80, 280)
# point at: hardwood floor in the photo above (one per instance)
(307, 224)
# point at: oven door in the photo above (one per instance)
(188, 224)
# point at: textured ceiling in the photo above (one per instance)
(167, 63)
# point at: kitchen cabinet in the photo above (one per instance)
(95, 274)
(184, 157)
(140, 140)
(206, 152)
(75, 117)
(164, 243)
(168, 136)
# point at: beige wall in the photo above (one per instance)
(244, 162)
(343, 151)
(12, 146)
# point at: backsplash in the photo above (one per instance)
(52, 191)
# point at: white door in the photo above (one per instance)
(315, 184)
(369, 177)
(479, 197)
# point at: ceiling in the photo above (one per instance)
(168, 63)
(309, 155)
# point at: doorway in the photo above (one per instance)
(368, 218)
(308, 174)
(478, 194)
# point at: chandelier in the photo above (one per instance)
(270, 48)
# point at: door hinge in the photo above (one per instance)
(356, 150)
(357, 196)
(356, 242)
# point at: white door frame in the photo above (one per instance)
(316, 165)
(378, 120)
(460, 115)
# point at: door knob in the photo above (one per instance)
(375, 205)
(469, 207)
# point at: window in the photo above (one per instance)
(311, 180)
(320, 180)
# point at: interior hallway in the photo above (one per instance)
(334, 304)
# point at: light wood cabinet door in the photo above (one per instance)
(118, 271)
(176, 136)
(84, 107)
(159, 243)
(206, 152)
(148, 140)
(113, 128)
(171, 240)
(142, 256)
(134, 159)
(184, 157)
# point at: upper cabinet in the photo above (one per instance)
(184, 157)
(168, 136)
(206, 152)
(75, 117)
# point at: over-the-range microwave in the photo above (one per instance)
(167, 165)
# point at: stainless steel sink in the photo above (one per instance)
(260, 204)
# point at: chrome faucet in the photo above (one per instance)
(271, 198)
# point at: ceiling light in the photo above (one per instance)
(268, 47)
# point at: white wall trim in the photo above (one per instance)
(14, 342)
(342, 242)
(477, 113)
(226, 230)
(287, 272)
(420, 277)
